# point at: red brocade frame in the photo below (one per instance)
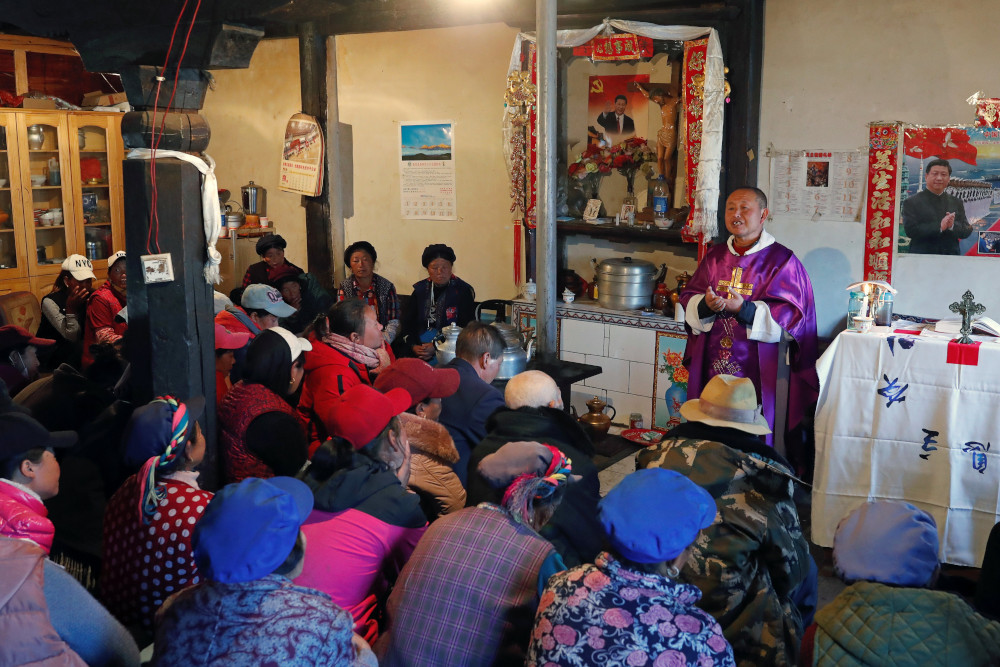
(695, 54)
(882, 198)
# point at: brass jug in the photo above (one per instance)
(596, 421)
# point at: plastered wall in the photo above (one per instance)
(453, 74)
(831, 67)
(247, 111)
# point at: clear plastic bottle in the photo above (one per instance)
(661, 197)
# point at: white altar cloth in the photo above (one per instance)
(923, 439)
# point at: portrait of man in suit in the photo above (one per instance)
(616, 123)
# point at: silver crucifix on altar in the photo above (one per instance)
(969, 309)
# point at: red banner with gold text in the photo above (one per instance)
(695, 54)
(623, 46)
(883, 191)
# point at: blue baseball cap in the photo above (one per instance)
(654, 514)
(249, 528)
(887, 541)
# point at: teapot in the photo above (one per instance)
(595, 420)
(446, 344)
(515, 357)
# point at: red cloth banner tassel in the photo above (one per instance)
(962, 354)
(517, 252)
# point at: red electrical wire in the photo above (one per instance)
(152, 139)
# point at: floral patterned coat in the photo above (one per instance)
(607, 614)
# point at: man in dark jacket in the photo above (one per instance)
(478, 353)
(534, 411)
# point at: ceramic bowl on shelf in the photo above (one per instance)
(37, 181)
(3, 182)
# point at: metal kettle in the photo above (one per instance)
(254, 199)
(595, 420)
(515, 355)
(446, 344)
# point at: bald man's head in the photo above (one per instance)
(533, 389)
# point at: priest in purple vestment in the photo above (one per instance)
(745, 297)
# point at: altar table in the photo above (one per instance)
(908, 415)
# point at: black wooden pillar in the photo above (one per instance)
(171, 332)
(319, 229)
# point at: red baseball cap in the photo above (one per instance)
(230, 340)
(12, 335)
(361, 413)
(419, 379)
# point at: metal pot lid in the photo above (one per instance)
(626, 266)
(510, 334)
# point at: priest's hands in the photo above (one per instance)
(718, 303)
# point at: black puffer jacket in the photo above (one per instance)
(574, 529)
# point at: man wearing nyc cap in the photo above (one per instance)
(248, 547)
(753, 564)
(260, 308)
(101, 324)
(629, 607)
(19, 357)
(64, 310)
(365, 524)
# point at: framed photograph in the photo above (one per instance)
(593, 209)
(627, 214)
(957, 168)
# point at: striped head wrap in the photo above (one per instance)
(557, 474)
(180, 424)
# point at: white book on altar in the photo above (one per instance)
(986, 325)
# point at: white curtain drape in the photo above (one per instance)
(210, 208)
(707, 186)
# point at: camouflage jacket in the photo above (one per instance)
(748, 563)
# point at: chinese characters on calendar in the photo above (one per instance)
(817, 185)
(427, 171)
(302, 157)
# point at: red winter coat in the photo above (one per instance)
(244, 403)
(23, 516)
(329, 373)
(104, 304)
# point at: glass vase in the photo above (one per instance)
(630, 198)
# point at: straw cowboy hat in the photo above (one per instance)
(728, 401)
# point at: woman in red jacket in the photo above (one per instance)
(347, 350)
(260, 432)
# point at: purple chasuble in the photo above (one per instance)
(775, 276)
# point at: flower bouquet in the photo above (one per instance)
(627, 157)
(589, 168)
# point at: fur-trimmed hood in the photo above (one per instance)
(429, 437)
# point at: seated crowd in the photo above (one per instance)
(374, 510)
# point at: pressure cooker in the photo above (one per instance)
(625, 283)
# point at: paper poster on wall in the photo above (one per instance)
(302, 157)
(616, 109)
(817, 185)
(950, 207)
(427, 171)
